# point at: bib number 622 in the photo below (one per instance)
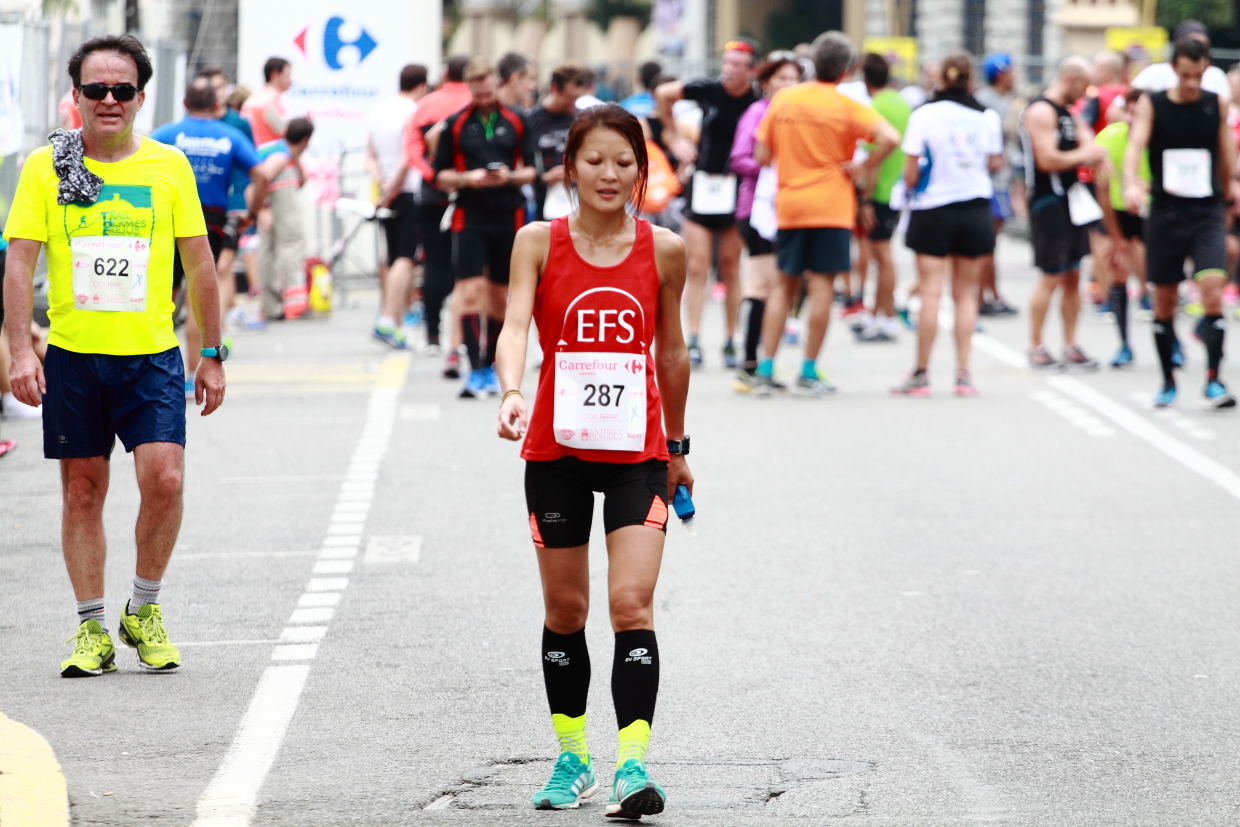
(109, 267)
(601, 396)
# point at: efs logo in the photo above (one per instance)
(334, 44)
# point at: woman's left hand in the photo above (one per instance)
(678, 473)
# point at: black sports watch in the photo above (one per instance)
(220, 352)
(680, 446)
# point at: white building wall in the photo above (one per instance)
(940, 28)
(1006, 28)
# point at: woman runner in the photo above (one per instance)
(602, 287)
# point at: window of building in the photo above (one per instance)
(975, 26)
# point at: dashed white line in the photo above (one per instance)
(1075, 414)
(1173, 418)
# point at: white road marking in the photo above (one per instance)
(223, 642)
(997, 350)
(441, 803)
(333, 567)
(1173, 418)
(282, 478)
(419, 412)
(406, 549)
(1075, 414)
(230, 799)
(221, 555)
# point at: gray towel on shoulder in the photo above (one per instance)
(77, 183)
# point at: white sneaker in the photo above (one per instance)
(14, 409)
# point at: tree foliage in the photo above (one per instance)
(800, 21)
(1217, 14)
(602, 11)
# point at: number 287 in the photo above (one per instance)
(601, 396)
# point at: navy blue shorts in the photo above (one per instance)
(816, 249)
(93, 398)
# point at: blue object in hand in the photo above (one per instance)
(683, 503)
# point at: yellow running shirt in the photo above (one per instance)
(148, 201)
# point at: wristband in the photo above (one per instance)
(504, 398)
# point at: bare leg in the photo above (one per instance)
(776, 316)
(730, 246)
(566, 587)
(885, 292)
(1039, 304)
(698, 246)
(227, 283)
(396, 288)
(856, 279)
(931, 272)
(1070, 305)
(965, 274)
(634, 555)
(161, 473)
(84, 483)
(820, 291)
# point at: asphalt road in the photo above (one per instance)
(1020, 608)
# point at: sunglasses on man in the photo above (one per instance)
(122, 92)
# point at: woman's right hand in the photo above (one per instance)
(513, 418)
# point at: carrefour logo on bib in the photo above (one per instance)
(341, 40)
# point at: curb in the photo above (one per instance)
(32, 787)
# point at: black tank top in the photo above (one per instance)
(1183, 126)
(1038, 182)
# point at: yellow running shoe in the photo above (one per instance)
(145, 632)
(93, 652)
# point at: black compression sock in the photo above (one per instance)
(1117, 297)
(470, 324)
(1164, 342)
(494, 326)
(1212, 331)
(635, 676)
(566, 672)
(753, 329)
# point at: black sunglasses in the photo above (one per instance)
(122, 92)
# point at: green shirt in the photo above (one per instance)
(1114, 139)
(895, 110)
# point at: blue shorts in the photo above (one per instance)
(1001, 206)
(816, 249)
(93, 398)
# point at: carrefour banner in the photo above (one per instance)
(346, 57)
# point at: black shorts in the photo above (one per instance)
(1130, 226)
(3, 255)
(1058, 244)
(93, 398)
(756, 244)
(559, 495)
(714, 223)
(216, 223)
(232, 238)
(885, 221)
(816, 249)
(436, 245)
(1184, 229)
(481, 249)
(401, 230)
(965, 229)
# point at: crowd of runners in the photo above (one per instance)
(786, 176)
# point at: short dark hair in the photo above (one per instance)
(455, 70)
(647, 73)
(587, 76)
(200, 95)
(512, 64)
(1190, 48)
(210, 72)
(833, 56)
(565, 74)
(1186, 27)
(876, 69)
(412, 76)
(125, 45)
(299, 129)
(767, 69)
(273, 66)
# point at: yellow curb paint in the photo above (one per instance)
(392, 372)
(32, 787)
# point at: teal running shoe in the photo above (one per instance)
(1218, 397)
(571, 781)
(1165, 398)
(633, 794)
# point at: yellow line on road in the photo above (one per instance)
(392, 373)
(32, 787)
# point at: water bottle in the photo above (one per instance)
(683, 503)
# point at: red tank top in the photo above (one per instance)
(596, 386)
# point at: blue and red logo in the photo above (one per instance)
(334, 44)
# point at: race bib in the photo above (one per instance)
(600, 401)
(713, 194)
(1187, 173)
(1083, 209)
(109, 273)
(762, 216)
(557, 203)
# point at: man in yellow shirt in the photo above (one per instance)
(110, 208)
(809, 134)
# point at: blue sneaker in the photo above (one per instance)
(391, 336)
(490, 381)
(1145, 305)
(475, 385)
(1177, 354)
(1218, 397)
(571, 781)
(1165, 398)
(633, 794)
(1123, 359)
(905, 318)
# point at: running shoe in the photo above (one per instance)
(765, 386)
(413, 316)
(1074, 359)
(1040, 359)
(744, 381)
(393, 337)
(189, 386)
(852, 309)
(7, 446)
(998, 307)
(571, 780)
(1123, 358)
(792, 331)
(914, 384)
(876, 332)
(1177, 354)
(695, 355)
(1145, 309)
(633, 794)
(986, 309)
(815, 386)
(905, 318)
(432, 349)
(452, 366)
(490, 381)
(256, 325)
(1218, 397)
(730, 359)
(145, 632)
(1165, 398)
(965, 387)
(475, 385)
(93, 652)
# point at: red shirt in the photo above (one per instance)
(447, 100)
(582, 309)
